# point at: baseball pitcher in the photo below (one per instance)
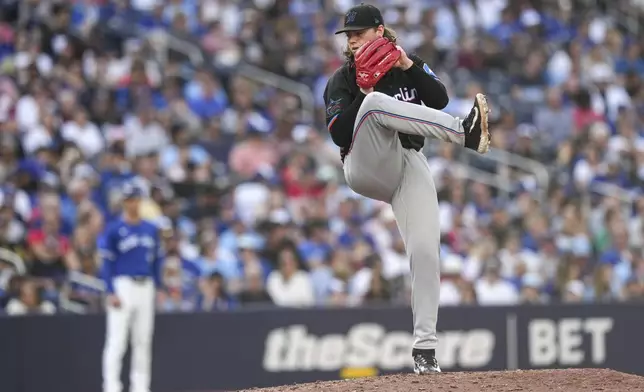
(374, 114)
(132, 255)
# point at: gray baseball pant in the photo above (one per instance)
(378, 167)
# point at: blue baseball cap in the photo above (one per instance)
(32, 167)
(131, 190)
(610, 257)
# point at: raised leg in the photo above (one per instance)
(411, 119)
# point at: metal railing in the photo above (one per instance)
(505, 158)
(624, 196)
(540, 172)
(82, 279)
(9, 257)
(626, 14)
(189, 49)
(301, 90)
(14, 259)
(261, 76)
(470, 173)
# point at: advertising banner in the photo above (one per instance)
(599, 336)
(208, 352)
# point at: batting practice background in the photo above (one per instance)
(224, 351)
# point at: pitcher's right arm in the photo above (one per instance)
(342, 107)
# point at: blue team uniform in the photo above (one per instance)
(130, 250)
(132, 256)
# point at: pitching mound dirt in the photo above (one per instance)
(572, 380)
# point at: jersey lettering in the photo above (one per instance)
(132, 241)
(406, 95)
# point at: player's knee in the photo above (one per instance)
(374, 101)
(424, 253)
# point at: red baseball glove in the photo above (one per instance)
(373, 60)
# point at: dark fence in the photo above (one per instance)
(229, 351)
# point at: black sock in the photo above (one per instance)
(430, 352)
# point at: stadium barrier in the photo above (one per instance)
(228, 351)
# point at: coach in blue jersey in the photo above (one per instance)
(132, 255)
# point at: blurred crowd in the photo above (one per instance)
(249, 194)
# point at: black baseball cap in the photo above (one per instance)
(360, 17)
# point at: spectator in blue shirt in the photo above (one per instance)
(354, 234)
(183, 152)
(188, 272)
(115, 172)
(153, 20)
(316, 247)
(249, 246)
(188, 9)
(206, 99)
(507, 28)
(632, 62)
